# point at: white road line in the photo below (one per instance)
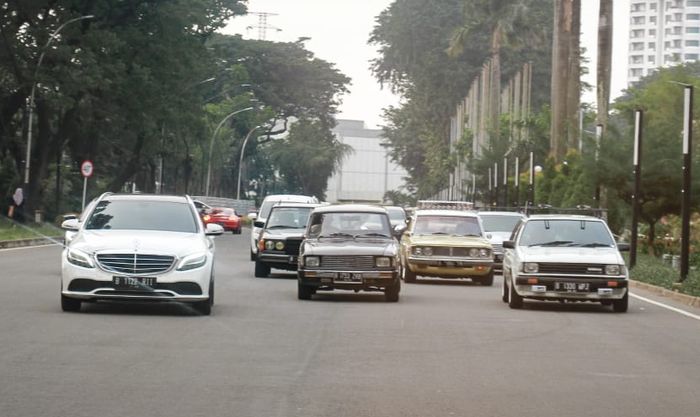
(666, 306)
(30, 247)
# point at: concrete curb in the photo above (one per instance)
(18, 243)
(685, 299)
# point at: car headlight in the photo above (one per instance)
(279, 245)
(531, 267)
(312, 261)
(428, 251)
(484, 253)
(79, 258)
(190, 262)
(382, 261)
(269, 245)
(417, 251)
(612, 269)
(474, 252)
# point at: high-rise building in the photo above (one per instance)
(662, 33)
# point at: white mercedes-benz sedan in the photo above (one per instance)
(138, 247)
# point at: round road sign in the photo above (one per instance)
(86, 169)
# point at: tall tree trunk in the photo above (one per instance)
(573, 89)
(560, 76)
(605, 30)
(495, 100)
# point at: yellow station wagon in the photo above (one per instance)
(446, 243)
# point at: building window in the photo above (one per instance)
(637, 33)
(693, 16)
(638, 7)
(677, 30)
(693, 3)
(652, 20)
(691, 57)
(637, 46)
(638, 20)
(651, 59)
(636, 59)
(692, 30)
(652, 6)
(636, 72)
(677, 43)
(692, 43)
(651, 45)
(652, 32)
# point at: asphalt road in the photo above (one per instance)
(446, 349)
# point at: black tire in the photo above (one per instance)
(304, 292)
(261, 270)
(487, 280)
(621, 305)
(408, 275)
(515, 301)
(204, 307)
(70, 304)
(391, 293)
(504, 291)
(253, 256)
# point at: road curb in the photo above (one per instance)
(685, 299)
(18, 243)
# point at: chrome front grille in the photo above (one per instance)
(497, 247)
(135, 263)
(572, 268)
(334, 262)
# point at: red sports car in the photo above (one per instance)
(225, 217)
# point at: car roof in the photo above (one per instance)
(501, 213)
(455, 213)
(290, 197)
(146, 197)
(357, 208)
(564, 217)
(293, 204)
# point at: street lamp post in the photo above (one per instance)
(240, 161)
(30, 116)
(636, 161)
(687, 162)
(211, 143)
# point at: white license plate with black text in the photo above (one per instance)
(572, 286)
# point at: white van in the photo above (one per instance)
(265, 209)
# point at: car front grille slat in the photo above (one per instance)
(292, 246)
(334, 262)
(572, 268)
(135, 264)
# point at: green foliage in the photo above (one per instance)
(652, 270)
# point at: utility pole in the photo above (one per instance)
(263, 26)
(636, 160)
(685, 203)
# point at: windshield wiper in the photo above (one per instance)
(337, 234)
(468, 235)
(595, 245)
(438, 233)
(552, 243)
(282, 226)
(372, 234)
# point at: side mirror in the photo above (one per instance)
(72, 225)
(623, 247)
(213, 229)
(259, 224)
(489, 236)
(508, 244)
(69, 217)
(252, 215)
(399, 229)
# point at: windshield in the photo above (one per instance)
(165, 216)
(499, 223)
(288, 217)
(268, 203)
(349, 224)
(447, 225)
(566, 233)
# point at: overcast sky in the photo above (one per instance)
(339, 30)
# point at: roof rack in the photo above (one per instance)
(444, 205)
(583, 210)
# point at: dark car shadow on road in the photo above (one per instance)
(568, 307)
(142, 309)
(281, 275)
(348, 297)
(441, 281)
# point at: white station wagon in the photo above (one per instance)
(564, 257)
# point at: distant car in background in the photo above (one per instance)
(499, 226)
(224, 217)
(397, 215)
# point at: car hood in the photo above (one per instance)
(498, 237)
(328, 246)
(283, 233)
(571, 255)
(150, 242)
(448, 240)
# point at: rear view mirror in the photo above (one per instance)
(623, 247)
(252, 215)
(399, 229)
(259, 224)
(213, 229)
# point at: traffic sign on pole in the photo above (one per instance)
(86, 168)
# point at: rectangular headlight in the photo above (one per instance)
(531, 267)
(612, 269)
(382, 261)
(312, 261)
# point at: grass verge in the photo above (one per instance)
(652, 270)
(10, 230)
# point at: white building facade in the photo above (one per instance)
(662, 33)
(367, 173)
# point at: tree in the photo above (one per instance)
(605, 37)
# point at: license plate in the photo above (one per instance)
(348, 278)
(571, 286)
(134, 283)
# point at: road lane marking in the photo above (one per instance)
(666, 306)
(30, 247)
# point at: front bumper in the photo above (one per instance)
(450, 267)
(92, 284)
(598, 289)
(371, 280)
(279, 260)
